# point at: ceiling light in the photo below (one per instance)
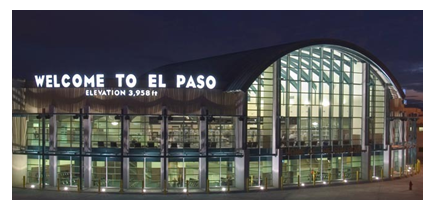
(114, 123)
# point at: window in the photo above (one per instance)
(420, 149)
(420, 129)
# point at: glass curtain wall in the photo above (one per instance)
(67, 131)
(34, 132)
(221, 133)
(181, 170)
(145, 170)
(68, 171)
(321, 99)
(260, 171)
(183, 132)
(105, 131)
(259, 128)
(107, 171)
(144, 131)
(376, 123)
(34, 170)
(221, 173)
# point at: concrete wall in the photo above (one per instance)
(19, 164)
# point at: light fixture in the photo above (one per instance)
(103, 189)
(114, 123)
(144, 190)
(302, 184)
(185, 190)
(223, 189)
(377, 178)
(409, 168)
(66, 188)
(32, 186)
(314, 123)
(345, 181)
(261, 187)
(324, 182)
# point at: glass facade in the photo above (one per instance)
(308, 110)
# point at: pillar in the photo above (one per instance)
(163, 148)
(277, 159)
(365, 156)
(86, 130)
(125, 146)
(203, 149)
(52, 145)
(387, 155)
(241, 163)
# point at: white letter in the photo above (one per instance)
(180, 79)
(161, 84)
(212, 84)
(100, 80)
(39, 80)
(64, 78)
(49, 81)
(128, 81)
(89, 81)
(77, 77)
(55, 84)
(191, 82)
(152, 80)
(200, 80)
(119, 77)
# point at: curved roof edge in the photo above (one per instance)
(237, 71)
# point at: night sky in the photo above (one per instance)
(56, 42)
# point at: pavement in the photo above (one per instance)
(397, 189)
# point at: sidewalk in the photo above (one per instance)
(381, 190)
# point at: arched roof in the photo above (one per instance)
(237, 71)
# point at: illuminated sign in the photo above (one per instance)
(123, 81)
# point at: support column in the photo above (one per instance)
(163, 149)
(365, 156)
(52, 146)
(277, 159)
(241, 163)
(242, 168)
(203, 161)
(86, 130)
(387, 155)
(125, 122)
(43, 145)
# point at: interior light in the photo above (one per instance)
(32, 186)
(223, 189)
(314, 123)
(144, 190)
(377, 178)
(345, 181)
(66, 188)
(185, 190)
(324, 182)
(103, 189)
(114, 123)
(409, 167)
(302, 184)
(261, 187)
(325, 103)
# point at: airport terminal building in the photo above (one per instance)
(316, 110)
